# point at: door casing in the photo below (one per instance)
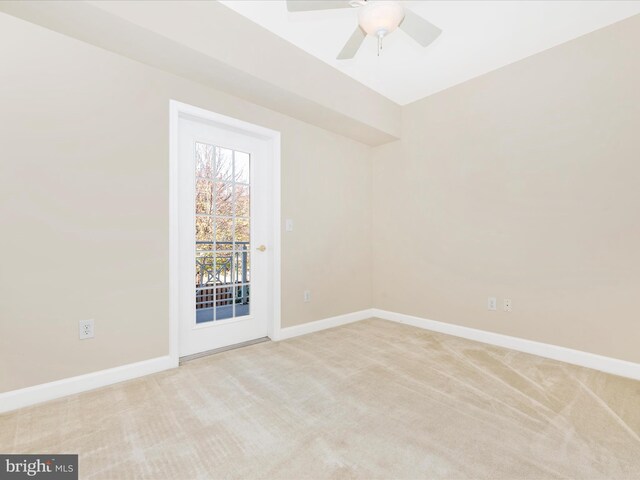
(179, 110)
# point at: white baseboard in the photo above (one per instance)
(614, 366)
(61, 388)
(24, 397)
(297, 330)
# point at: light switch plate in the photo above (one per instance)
(492, 303)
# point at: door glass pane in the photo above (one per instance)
(242, 267)
(204, 196)
(224, 164)
(224, 233)
(205, 272)
(224, 268)
(204, 160)
(242, 200)
(204, 304)
(242, 300)
(241, 233)
(224, 302)
(223, 226)
(224, 199)
(241, 167)
(204, 229)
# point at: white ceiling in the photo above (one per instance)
(478, 36)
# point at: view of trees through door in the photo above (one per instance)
(223, 226)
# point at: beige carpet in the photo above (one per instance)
(369, 400)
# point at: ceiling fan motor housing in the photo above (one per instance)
(377, 18)
(380, 18)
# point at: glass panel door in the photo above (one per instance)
(225, 229)
(222, 233)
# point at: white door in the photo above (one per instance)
(224, 227)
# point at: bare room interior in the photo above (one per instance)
(320, 239)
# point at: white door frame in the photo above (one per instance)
(176, 111)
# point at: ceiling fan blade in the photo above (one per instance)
(419, 29)
(309, 5)
(353, 44)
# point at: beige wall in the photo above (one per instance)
(237, 57)
(524, 184)
(84, 207)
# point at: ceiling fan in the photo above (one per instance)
(375, 17)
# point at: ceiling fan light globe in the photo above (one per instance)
(379, 18)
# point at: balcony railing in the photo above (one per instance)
(224, 279)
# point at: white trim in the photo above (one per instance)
(274, 320)
(614, 366)
(176, 110)
(61, 388)
(323, 324)
(174, 295)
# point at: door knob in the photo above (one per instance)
(261, 248)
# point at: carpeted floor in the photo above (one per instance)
(368, 400)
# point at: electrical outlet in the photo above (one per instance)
(492, 303)
(85, 329)
(288, 225)
(507, 304)
(307, 295)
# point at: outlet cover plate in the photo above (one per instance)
(507, 304)
(85, 329)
